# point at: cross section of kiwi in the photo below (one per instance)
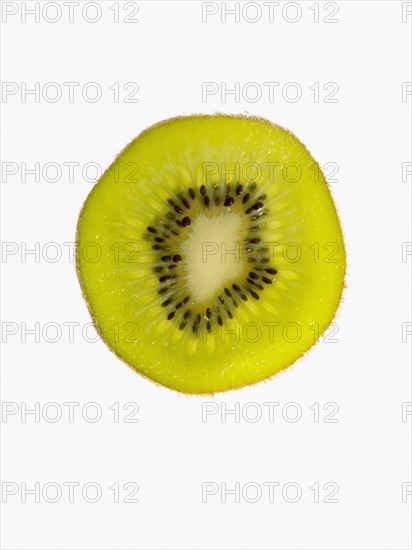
(210, 253)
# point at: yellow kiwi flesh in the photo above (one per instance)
(210, 253)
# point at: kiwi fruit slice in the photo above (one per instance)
(210, 253)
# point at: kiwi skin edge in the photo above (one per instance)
(83, 291)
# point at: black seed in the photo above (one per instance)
(191, 193)
(195, 327)
(178, 209)
(262, 198)
(237, 288)
(234, 302)
(227, 292)
(186, 299)
(228, 189)
(172, 266)
(158, 269)
(220, 298)
(171, 315)
(257, 205)
(257, 285)
(177, 258)
(209, 313)
(159, 240)
(271, 270)
(246, 198)
(182, 325)
(163, 290)
(229, 201)
(244, 297)
(186, 203)
(198, 318)
(165, 278)
(203, 190)
(267, 280)
(249, 210)
(265, 260)
(229, 314)
(239, 189)
(166, 258)
(171, 202)
(186, 221)
(254, 241)
(171, 230)
(152, 230)
(179, 305)
(254, 276)
(206, 201)
(187, 314)
(209, 326)
(252, 187)
(258, 215)
(157, 247)
(167, 302)
(220, 320)
(254, 294)
(179, 223)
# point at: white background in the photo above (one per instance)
(170, 452)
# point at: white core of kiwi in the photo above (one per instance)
(211, 254)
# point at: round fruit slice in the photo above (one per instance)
(210, 253)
